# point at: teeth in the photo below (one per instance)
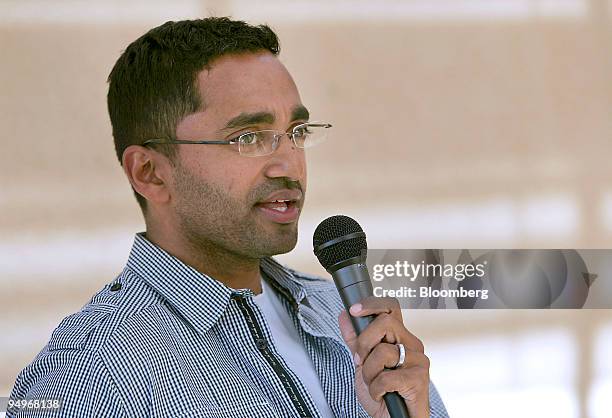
(279, 205)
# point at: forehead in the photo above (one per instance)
(249, 82)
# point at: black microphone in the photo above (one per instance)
(340, 245)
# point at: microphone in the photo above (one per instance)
(340, 245)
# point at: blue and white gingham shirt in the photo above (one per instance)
(163, 340)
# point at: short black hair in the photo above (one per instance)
(153, 84)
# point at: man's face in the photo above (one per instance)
(221, 198)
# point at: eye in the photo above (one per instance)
(301, 131)
(249, 138)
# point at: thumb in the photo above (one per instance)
(348, 332)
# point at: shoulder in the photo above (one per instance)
(80, 336)
(89, 328)
(74, 352)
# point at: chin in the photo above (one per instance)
(279, 246)
(284, 250)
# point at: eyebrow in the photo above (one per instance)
(300, 112)
(244, 119)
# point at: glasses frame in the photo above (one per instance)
(236, 140)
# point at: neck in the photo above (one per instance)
(233, 270)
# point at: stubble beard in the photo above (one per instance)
(215, 223)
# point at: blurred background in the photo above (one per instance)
(457, 124)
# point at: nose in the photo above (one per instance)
(287, 160)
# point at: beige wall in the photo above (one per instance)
(447, 133)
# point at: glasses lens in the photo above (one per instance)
(258, 143)
(309, 135)
(253, 144)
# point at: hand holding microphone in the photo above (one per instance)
(390, 361)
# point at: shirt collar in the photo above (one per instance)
(199, 298)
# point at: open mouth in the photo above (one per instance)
(281, 207)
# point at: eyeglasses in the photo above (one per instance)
(259, 143)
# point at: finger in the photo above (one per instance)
(348, 332)
(385, 328)
(411, 384)
(386, 356)
(373, 305)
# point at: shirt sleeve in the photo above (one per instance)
(79, 379)
(436, 406)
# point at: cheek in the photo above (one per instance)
(212, 167)
(304, 178)
(238, 180)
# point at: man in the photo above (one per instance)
(210, 130)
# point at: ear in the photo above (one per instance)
(148, 172)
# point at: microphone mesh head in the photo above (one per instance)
(336, 227)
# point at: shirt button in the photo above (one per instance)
(261, 343)
(115, 287)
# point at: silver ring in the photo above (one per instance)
(402, 355)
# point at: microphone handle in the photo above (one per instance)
(353, 284)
